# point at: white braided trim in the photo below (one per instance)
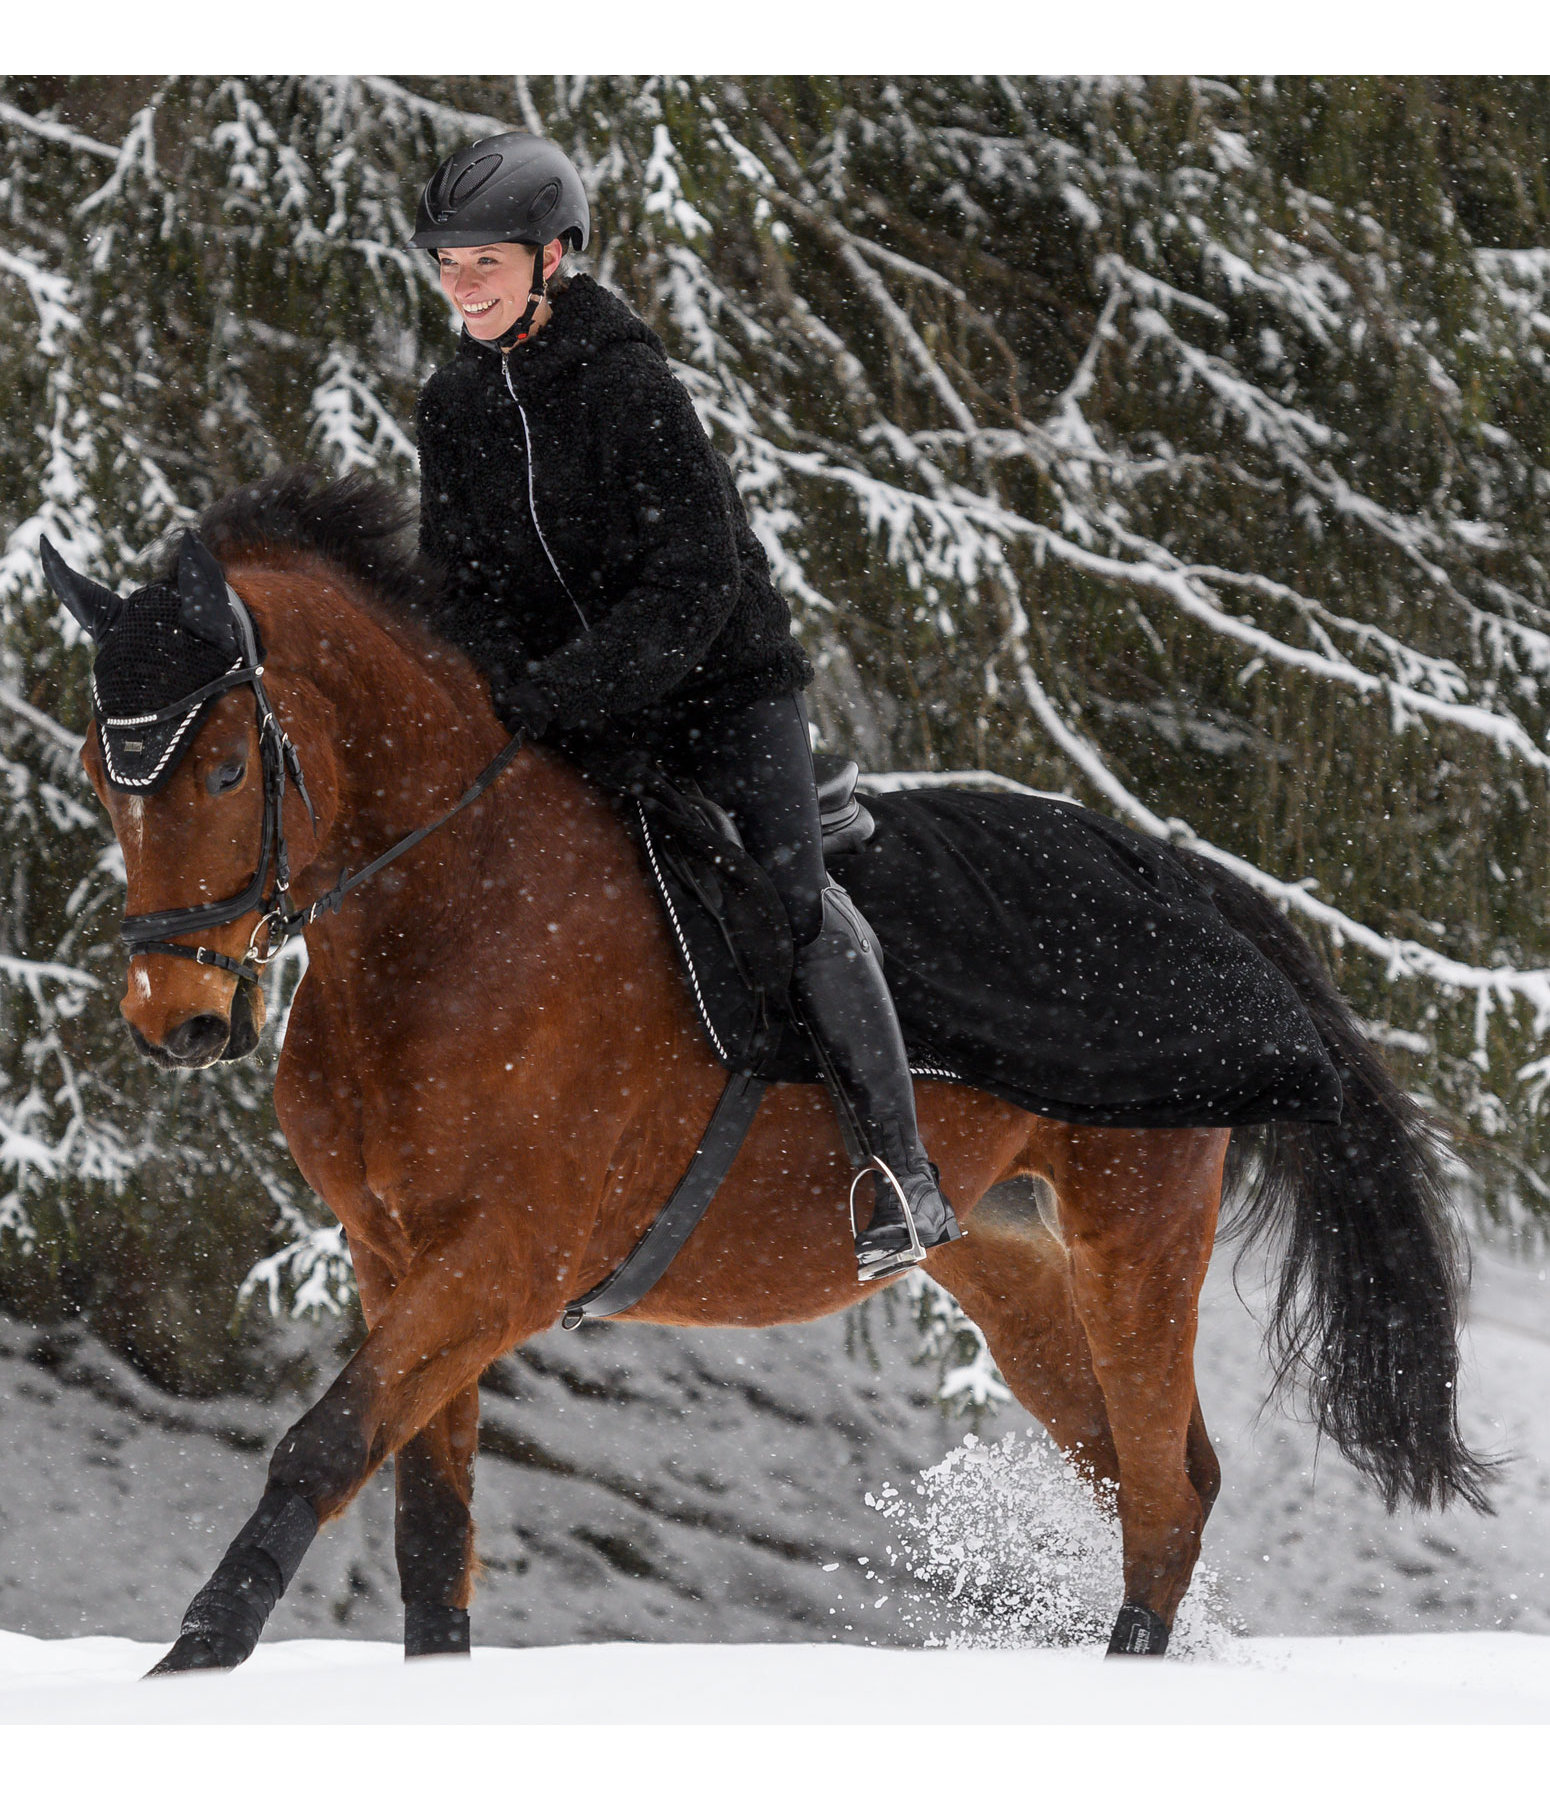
(683, 942)
(134, 781)
(931, 1069)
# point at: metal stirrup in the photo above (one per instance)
(878, 1166)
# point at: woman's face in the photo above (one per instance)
(490, 283)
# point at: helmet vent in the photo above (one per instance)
(470, 180)
(511, 189)
(543, 202)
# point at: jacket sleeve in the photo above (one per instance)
(440, 505)
(459, 610)
(670, 568)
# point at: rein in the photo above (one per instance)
(146, 934)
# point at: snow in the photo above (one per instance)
(663, 1485)
(1444, 1715)
(1452, 1678)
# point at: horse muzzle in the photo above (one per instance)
(194, 1044)
(204, 1039)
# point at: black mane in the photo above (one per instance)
(360, 524)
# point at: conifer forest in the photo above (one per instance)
(1182, 446)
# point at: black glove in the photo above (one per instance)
(521, 706)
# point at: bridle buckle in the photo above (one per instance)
(277, 940)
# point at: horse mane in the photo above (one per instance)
(359, 524)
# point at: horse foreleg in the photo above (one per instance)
(464, 1300)
(1138, 1211)
(433, 1519)
(434, 1528)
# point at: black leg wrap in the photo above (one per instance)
(432, 1630)
(1138, 1632)
(226, 1616)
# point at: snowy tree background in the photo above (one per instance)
(1181, 445)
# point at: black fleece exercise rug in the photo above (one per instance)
(1047, 955)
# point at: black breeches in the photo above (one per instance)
(757, 763)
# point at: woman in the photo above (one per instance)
(602, 571)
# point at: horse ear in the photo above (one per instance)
(203, 606)
(94, 608)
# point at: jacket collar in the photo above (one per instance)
(585, 318)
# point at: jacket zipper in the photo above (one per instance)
(532, 504)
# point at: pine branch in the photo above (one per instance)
(56, 133)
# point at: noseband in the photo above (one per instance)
(147, 934)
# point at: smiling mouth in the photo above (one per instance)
(473, 312)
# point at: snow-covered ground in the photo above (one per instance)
(1441, 1679)
(709, 1487)
(706, 1493)
(1446, 1714)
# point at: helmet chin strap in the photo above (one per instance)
(516, 333)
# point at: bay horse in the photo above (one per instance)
(493, 1074)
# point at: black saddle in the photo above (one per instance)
(726, 919)
(846, 822)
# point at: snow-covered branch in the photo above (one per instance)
(450, 119)
(56, 133)
(51, 294)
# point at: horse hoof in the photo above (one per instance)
(1138, 1632)
(188, 1654)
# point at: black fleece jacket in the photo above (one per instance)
(593, 541)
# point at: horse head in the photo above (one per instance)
(177, 756)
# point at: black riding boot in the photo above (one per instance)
(844, 1000)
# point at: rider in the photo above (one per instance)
(602, 571)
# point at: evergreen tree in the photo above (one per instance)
(1178, 444)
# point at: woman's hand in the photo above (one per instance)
(521, 706)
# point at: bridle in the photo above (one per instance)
(147, 934)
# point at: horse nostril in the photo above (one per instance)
(197, 1040)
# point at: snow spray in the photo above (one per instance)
(1005, 1546)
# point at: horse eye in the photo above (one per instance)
(227, 776)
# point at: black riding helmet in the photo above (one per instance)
(511, 189)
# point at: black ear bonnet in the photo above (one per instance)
(148, 663)
(168, 652)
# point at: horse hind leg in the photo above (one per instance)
(1138, 1209)
(1014, 1280)
(1201, 1463)
(1011, 1274)
(434, 1528)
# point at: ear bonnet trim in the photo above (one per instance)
(124, 757)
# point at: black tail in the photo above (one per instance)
(1366, 1311)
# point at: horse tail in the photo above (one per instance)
(1366, 1310)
